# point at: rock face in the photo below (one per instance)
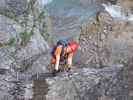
(24, 55)
(13, 7)
(107, 1)
(126, 5)
(23, 31)
(106, 41)
(111, 83)
(66, 16)
(23, 46)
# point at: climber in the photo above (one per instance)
(63, 51)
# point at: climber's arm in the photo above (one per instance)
(70, 56)
(57, 54)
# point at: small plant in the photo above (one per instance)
(1, 45)
(45, 36)
(11, 42)
(41, 16)
(25, 37)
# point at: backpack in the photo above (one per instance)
(64, 43)
(53, 50)
(74, 46)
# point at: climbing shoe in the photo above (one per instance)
(55, 72)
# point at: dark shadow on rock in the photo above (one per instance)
(40, 86)
(3, 71)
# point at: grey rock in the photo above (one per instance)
(8, 29)
(69, 16)
(13, 7)
(24, 67)
(89, 85)
(106, 47)
(16, 61)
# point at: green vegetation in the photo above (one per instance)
(45, 36)
(8, 14)
(11, 42)
(25, 37)
(44, 33)
(41, 19)
(1, 45)
(41, 16)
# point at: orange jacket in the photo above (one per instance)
(74, 47)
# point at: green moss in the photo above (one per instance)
(25, 37)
